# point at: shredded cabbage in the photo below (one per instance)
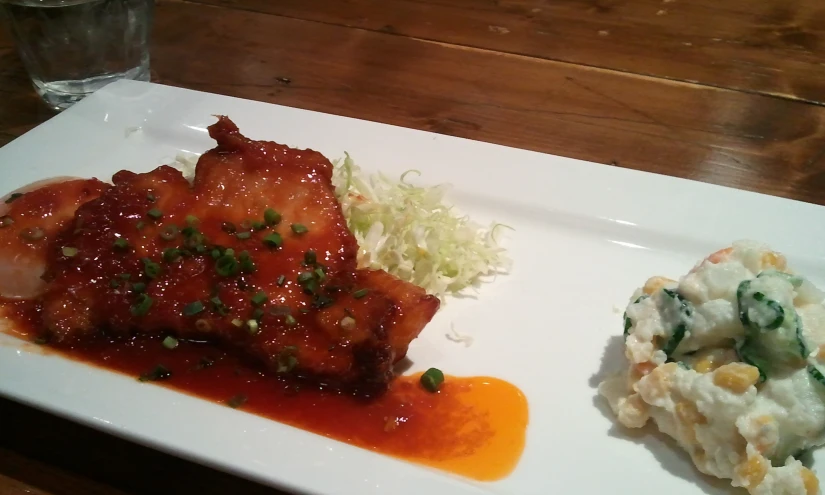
(409, 230)
(413, 234)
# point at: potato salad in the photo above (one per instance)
(730, 362)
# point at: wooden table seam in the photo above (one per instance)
(672, 80)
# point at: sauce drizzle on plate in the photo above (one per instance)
(473, 426)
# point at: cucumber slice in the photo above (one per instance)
(794, 280)
(773, 333)
(774, 311)
(751, 352)
(817, 373)
(685, 316)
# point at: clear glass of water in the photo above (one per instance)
(72, 48)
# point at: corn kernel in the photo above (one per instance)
(657, 384)
(655, 284)
(689, 416)
(709, 360)
(642, 369)
(736, 377)
(766, 427)
(752, 471)
(773, 260)
(633, 412)
(705, 366)
(810, 482)
(720, 256)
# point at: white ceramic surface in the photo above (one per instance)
(586, 236)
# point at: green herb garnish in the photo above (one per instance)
(432, 379)
(193, 308)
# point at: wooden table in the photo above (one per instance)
(729, 92)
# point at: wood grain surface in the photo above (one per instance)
(726, 92)
(771, 46)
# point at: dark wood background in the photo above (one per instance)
(729, 92)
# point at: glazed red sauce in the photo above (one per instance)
(473, 426)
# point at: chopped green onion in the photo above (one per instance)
(189, 231)
(319, 273)
(138, 287)
(310, 257)
(13, 197)
(121, 244)
(258, 314)
(281, 280)
(33, 234)
(5, 221)
(140, 225)
(227, 265)
(194, 240)
(216, 253)
(142, 305)
(311, 287)
(259, 299)
(256, 225)
(114, 283)
(193, 308)
(273, 240)
(305, 277)
(236, 401)
(243, 235)
(246, 224)
(205, 362)
(171, 254)
(299, 228)
(237, 322)
(218, 305)
(158, 373)
(150, 268)
(360, 293)
(432, 379)
(191, 220)
(229, 252)
(169, 232)
(228, 227)
(151, 197)
(247, 265)
(69, 252)
(272, 217)
(322, 301)
(287, 360)
(170, 342)
(290, 320)
(252, 325)
(154, 214)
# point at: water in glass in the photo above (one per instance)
(72, 48)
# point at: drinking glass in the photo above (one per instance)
(72, 48)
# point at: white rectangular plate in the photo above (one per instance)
(586, 236)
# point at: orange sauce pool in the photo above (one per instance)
(473, 426)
